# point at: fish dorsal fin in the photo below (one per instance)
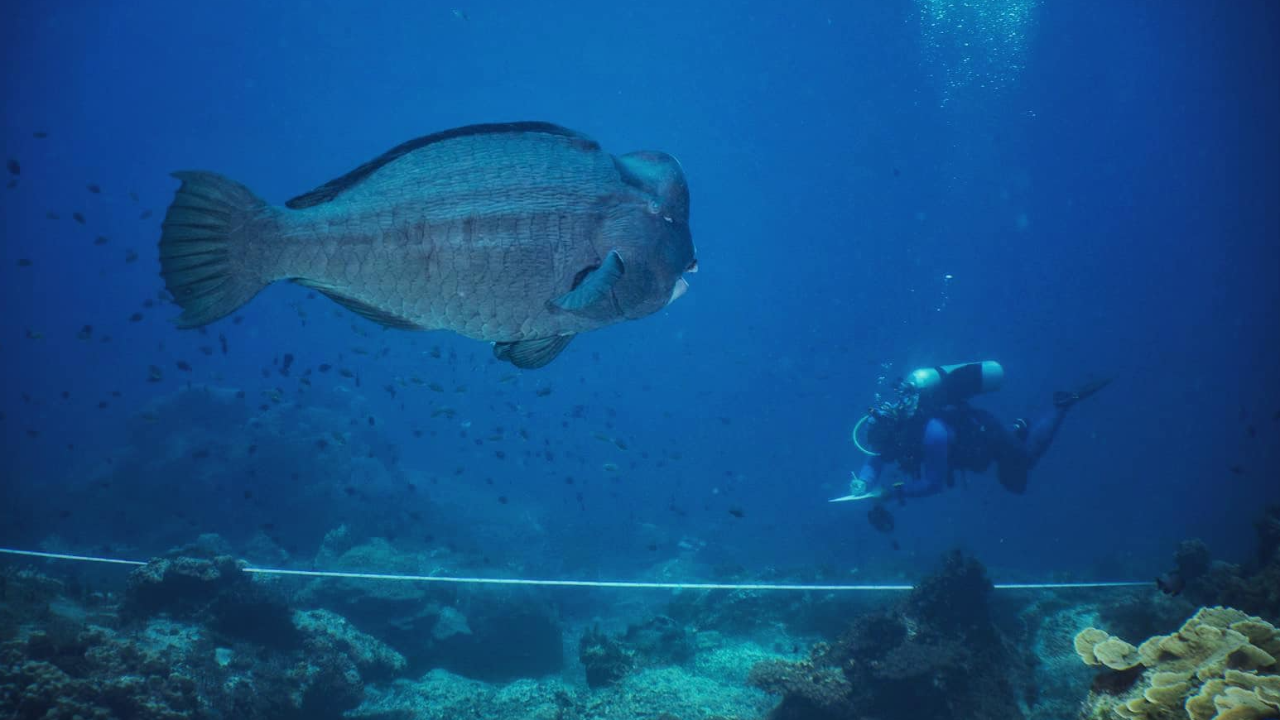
(530, 354)
(360, 307)
(335, 187)
(595, 285)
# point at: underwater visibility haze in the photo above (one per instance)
(969, 411)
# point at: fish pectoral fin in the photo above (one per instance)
(531, 354)
(594, 286)
(359, 307)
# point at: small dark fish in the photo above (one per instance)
(85, 333)
(133, 196)
(101, 240)
(346, 373)
(39, 134)
(894, 544)
(1253, 431)
(136, 317)
(222, 340)
(145, 214)
(542, 391)
(248, 494)
(51, 215)
(130, 256)
(200, 454)
(1171, 583)
(324, 367)
(14, 167)
(154, 374)
(737, 512)
(24, 262)
(91, 187)
(78, 217)
(502, 499)
(1236, 469)
(206, 349)
(184, 366)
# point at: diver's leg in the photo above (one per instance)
(1041, 433)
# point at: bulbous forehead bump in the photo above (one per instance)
(661, 175)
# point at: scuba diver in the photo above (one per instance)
(930, 431)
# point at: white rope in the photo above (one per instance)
(582, 583)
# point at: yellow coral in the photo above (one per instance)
(1116, 654)
(1220, 665)
(1086, 640)
(1260, 633)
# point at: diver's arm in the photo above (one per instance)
(934, 467)
(868, 476)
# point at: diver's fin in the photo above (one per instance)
(531, 353)
(595, 285)
(1066, 398)
(202, 247)
(359, 307)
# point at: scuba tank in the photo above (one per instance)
(954, 383)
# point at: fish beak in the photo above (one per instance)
(681, 288)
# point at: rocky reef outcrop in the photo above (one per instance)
(936, 653)
(192, 638)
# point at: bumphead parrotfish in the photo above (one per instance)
(520, 234)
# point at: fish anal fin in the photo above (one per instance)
(359, 307)
(530, 354)
(594, 286)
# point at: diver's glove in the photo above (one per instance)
(860, 488)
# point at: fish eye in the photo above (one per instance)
(655, 207)
(693, 266)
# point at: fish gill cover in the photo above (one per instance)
(345, 339)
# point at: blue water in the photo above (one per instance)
(1075, 190)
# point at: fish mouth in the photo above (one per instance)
(682, 287)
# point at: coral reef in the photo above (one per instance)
(1254, 590)
(1220, 665)
(744, 612)
(938, 647)
(605, 660)
(194, 638)
(491, 634)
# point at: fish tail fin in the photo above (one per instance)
(205, 247)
